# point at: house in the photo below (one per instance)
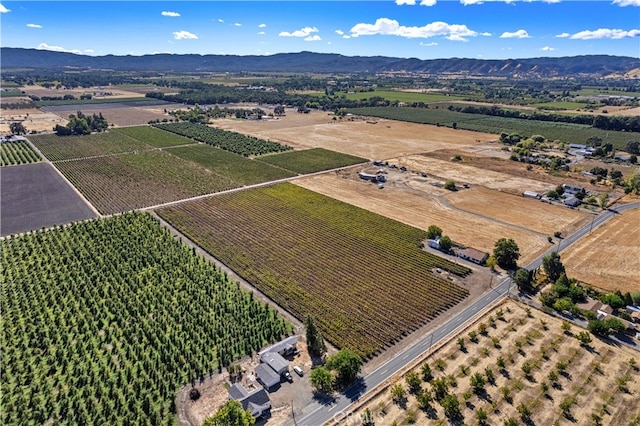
(596, 306)
(531, 194)
(435, 243)
(276, 362)
(635, 316)
(577, 146)
(572, 202)
(367, 176)
(570, 189)
(266, 376)
(257, 401)
(284, 347)
(473, 255)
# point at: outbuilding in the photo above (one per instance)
(267, 376)
(275, 361)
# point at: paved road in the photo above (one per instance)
(318, 413)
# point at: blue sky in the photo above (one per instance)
(424, 29)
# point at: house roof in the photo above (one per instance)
(281, 345)
(606, 309)
(275, 361)
(473, 254)
(267, 376)
(257, 401)
(590, 305)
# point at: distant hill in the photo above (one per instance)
(592, 65)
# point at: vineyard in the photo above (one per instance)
(565, 132)
(129, 181)
(103, 321)
(19, 152)
(57, 148)
(311, 160)
(229, 141)
(152, 136)
(241, 170)
(363, 277)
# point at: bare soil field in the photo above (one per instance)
(546, 373)
(32, 119)
(36, 196)
(382, 140)
(608, 258)
(517, 210)
(117, 115)
(415, 201)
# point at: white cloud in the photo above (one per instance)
(261, 33)
(548, 49)
(170, 14)
(34, 25)
(428, 44)
(413, 2)
(386, 26)
(184, 35)
(314, 37)
(45, 46)
(89, 51)
(304, 32)
(605, 33)
(470, 2)
(237, 24)
(516, 34)
(624, 3)
(346, 36)
(4, 9)
(486, 34)
(262, 26)
(221, 20)
(563, 35)
(339, 32)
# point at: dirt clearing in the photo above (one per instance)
(382, 140)
(32, 119)
(608, 258)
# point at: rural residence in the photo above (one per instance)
(257, 401)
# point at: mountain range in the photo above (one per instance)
(303, 62)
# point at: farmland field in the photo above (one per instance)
(102, 322)
(57, 148)
(608, 258)
(239, 169)
(311, 160)
(20, 152)
(565, 132)
(130, 181)
(153, 137)
(362, 277)
(35, 196)
(525, 367)
(404, 96)
(229, 141)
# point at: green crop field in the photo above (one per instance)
(11, 93)
(103, 321)
(153, 137)
(311, 160)
(560, 105)
(89, 101)
(57, 148)
(408, 97)
(239, 169)
(564, 132)
(363, 277)
(13, 153)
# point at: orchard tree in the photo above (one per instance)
(17, 128)
(451, 406)
(553, 267)
(507, 253)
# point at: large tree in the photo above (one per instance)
(321, 379)
(231, 414)
(507, 253)
(346, 364)
(523, 279)
(17, 128)
(553, 267)
(315, 342)
(433, 232)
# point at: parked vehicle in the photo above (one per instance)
(298, 371)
